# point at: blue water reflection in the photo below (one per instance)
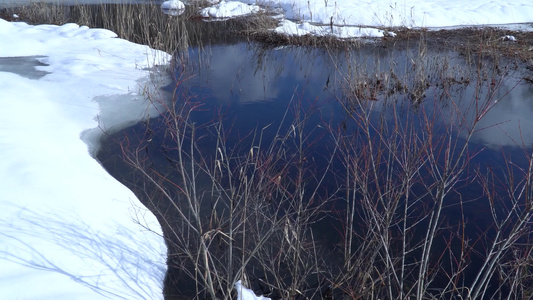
(254, 90)
(258, 84)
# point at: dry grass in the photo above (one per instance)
(473, 40)
(144, 23)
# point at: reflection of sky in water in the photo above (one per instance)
(256, 88)
(507, 121)
(258, 84)
(511, 118)
(238, 74)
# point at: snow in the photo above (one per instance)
(509, 38)
(246, 294)
(68, 230)
(378, 14)
(343, 32)
(173, 5)
(229, 9)
(411, 13)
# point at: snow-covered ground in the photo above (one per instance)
(173, 7)
(68, 230)
(229, 9)
(245, 294)
(343, 17)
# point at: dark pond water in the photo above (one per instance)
(251, 88)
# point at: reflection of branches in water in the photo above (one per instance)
(115, 264)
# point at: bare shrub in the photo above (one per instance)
(409, 185)
(237, 210)
(398, 185)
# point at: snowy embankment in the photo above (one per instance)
(68, 230)
(230, 9)
(342, 18)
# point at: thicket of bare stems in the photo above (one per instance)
(397, 188)
(237, 211)
(406, 173)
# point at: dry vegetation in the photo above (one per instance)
(144, 23)
(396, 192)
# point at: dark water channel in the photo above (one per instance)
(253, 90)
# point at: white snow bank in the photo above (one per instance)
(229, 10)
(388, 13)
(173, 4)
(68, 230)
(412, 13)
(245, 294)
(173, 7)
(290, 28)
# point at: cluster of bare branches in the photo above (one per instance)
(409, 179)
(397, 187)
(236, 210)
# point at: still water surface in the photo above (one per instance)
(250, 87)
